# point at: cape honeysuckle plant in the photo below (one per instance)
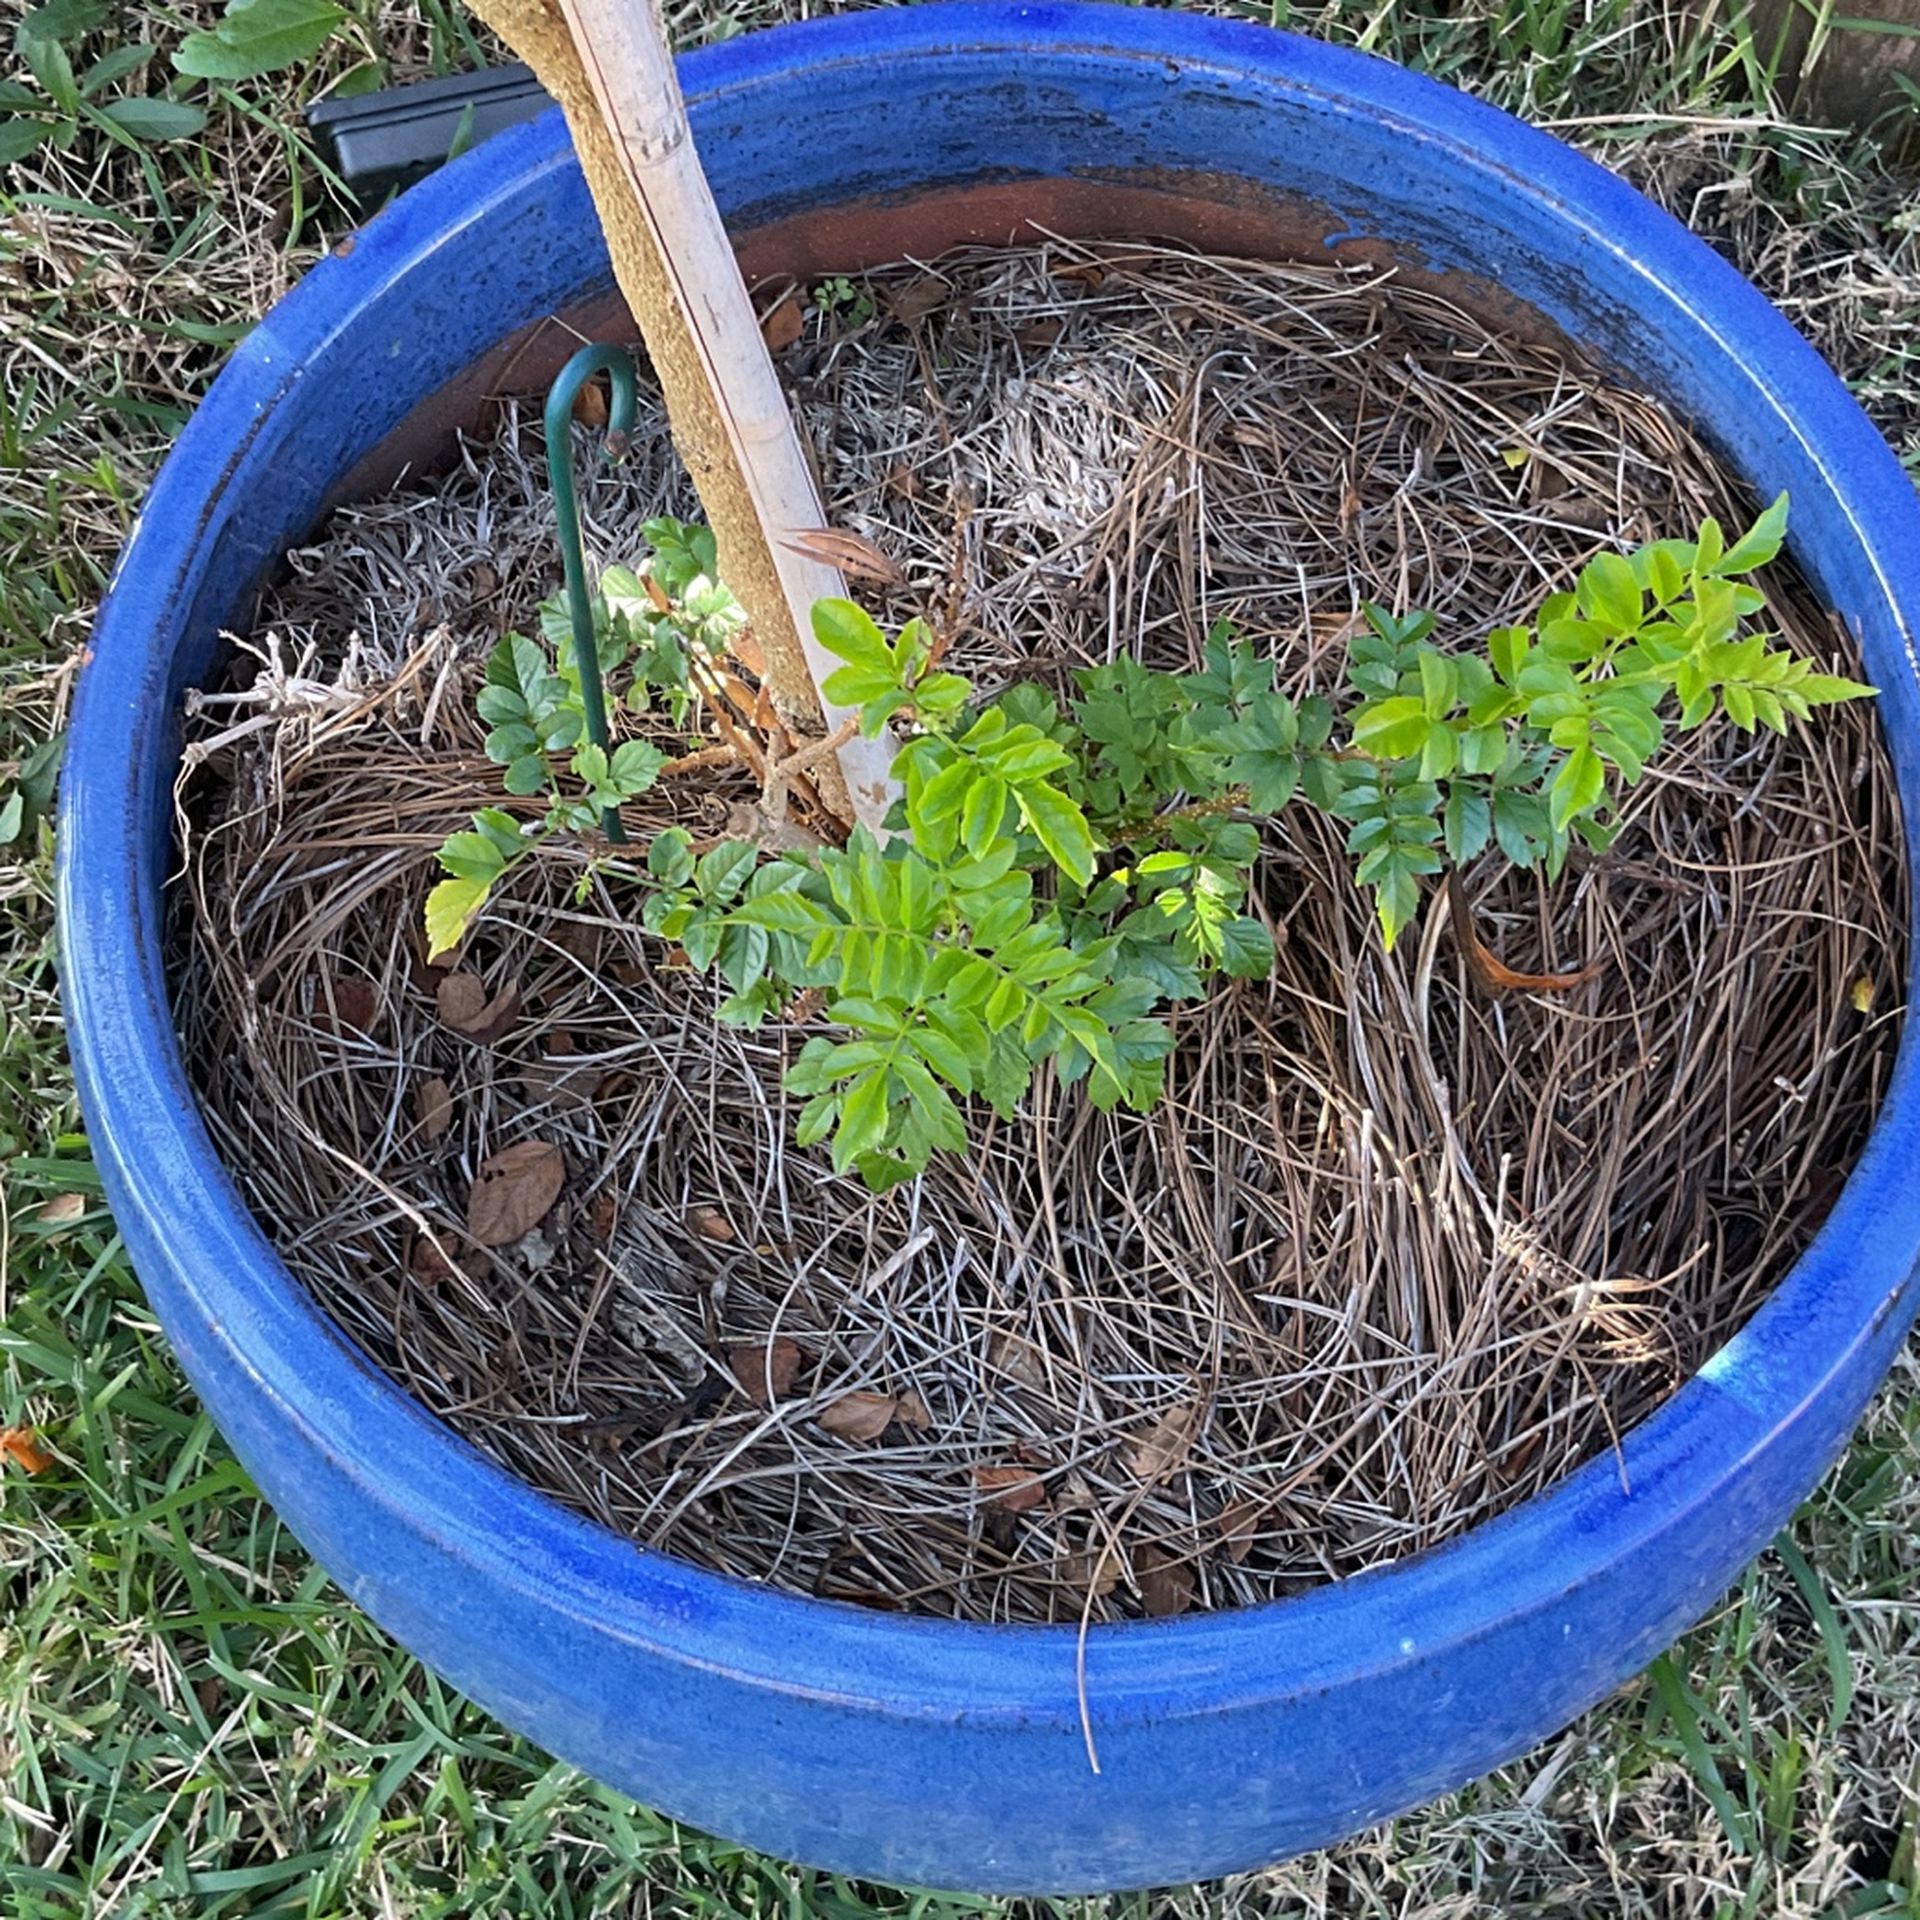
(1056, 878)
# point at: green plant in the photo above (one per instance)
(839, 299)
(65, 99)
(654, 630)
(29, 802)
(1530, 744)
(1053, 879)
(259, 36)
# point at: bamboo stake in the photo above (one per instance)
(606, 62)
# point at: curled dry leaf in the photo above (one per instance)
(433, 1107)
(765, 1373)
(23, 1448)
(783, 324)
(63, 1210)
(860, 1416)
(513, 1192)
(465, 1006)
(913, 1411)
(1165, 1583)
(590, 405)
(1011, 1489)
(1162, 1450)
(711, 1224)
(849, 553)
(349, 1006)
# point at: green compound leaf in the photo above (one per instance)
(1061, 828)
(1246, 949)
(1760, 543)
(1579, 786)
(1610, 595)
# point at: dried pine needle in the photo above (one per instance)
(1391, 1258)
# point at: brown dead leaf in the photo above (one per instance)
(590, 405)
(464, 1006)
(913, 1411)
(433, 1107)
(860, 1416)
(711, 1224)
(1088, 272)
(902, 482)
(783, 324)
(1073, 1494)
(21, 1446)
(746, 648)
(1096, 1571)
(852, 554)
(613, 1086)
(427, 1262)
(603, 1214)
(1166, 1584)
(1018, 1360)
(351, 1006)
(1038, 335)
(1514, 1462)
(1587, 514)
(765, 1373)
(563, 1085)
(1237, 1525)
(1011, 1489)
(514, 1191)
(925, 293)
(1163, 1448)
(63, 1210)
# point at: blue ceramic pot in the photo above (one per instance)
(918, 1750)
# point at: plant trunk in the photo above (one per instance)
(606, 62)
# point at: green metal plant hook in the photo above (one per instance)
(617, 364)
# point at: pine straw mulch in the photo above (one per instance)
(1393, 1256)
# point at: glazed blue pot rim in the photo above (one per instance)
(136, 1090)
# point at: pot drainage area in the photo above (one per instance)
(1393, 1256)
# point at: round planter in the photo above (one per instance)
(913, 1750)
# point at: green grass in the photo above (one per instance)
(194, 1722)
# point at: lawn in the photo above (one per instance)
(193, 1721)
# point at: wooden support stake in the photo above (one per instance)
(606, 62)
